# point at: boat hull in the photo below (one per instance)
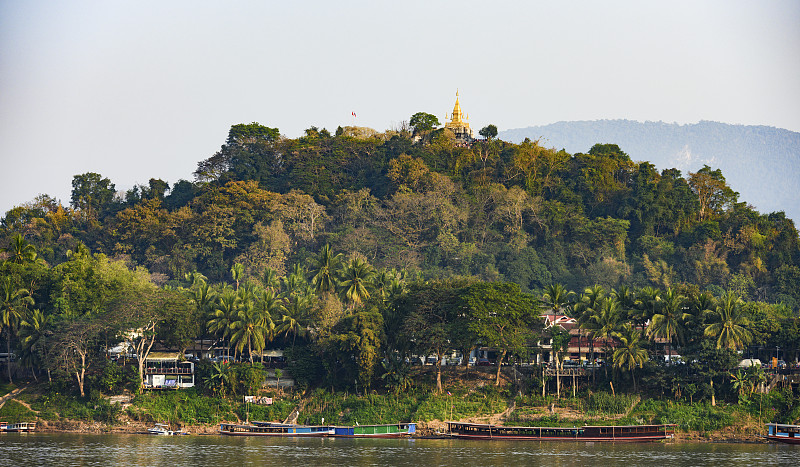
(286, 430)
(638, 434)
(783, 433)
(783, 439)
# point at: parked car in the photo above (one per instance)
(484, 362)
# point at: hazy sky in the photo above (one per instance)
(142, 89)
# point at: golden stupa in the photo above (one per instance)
(458, 122)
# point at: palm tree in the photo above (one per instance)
(32, 336)
(13, 303)
(648, 300)
(627, 300)
(247, 329)
(295, 283)
(557, 298)
(668, 324)
(20, 251)
(237, 272)
(357, 280)
(605, 322)
(294, 317)
(385, 283)
(730, 323)
(629, 354)
(195, 278)
(325, 269)
(270, 279)
(224, 313)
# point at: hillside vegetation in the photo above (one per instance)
(762, 163)
(358, 250)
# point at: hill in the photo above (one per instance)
(762, 163)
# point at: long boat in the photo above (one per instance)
(396, 430)
(22, 427)
(257, 428)
(275, 429)
(583, 433)
(783, 433)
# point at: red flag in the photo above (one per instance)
(354, 114)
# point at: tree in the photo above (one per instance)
(295, 317)
(19, 250)
(224, 314)
(325, 270)
(237, 272)
(488, 132)
(668, 322)
(12, 309)
(559, 339)
(251, 133)
(423, 122)
(140, 315)
(91, 193)
(249, 328)
(605, 321)
(430, 310)
(557, 298)
(629, 354)
(75, 347)
(33, 333)
(501, 316)
(357, 282)
(730, 323)
(712, 191)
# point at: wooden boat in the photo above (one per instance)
(163, 430)
(375, 431)
(281, 429)
(783, 433)
(584, 433)
(22, 427)
(275, 429)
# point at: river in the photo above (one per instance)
(128, 450)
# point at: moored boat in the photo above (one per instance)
(584, 433)
(257, 428)
(163, 430)
(22, 427)
(783, 433)
(275, 429)
(375, 431)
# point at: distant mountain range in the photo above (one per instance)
(762, 163)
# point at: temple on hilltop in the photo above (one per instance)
(458, 124)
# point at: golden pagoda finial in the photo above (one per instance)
(457, 121)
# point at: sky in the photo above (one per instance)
(144, 89)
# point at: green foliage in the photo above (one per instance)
(186, 406)
(14, 412)
(697, 417)
(607, 404)
(111, 379)
(423, 122)
(251, 377)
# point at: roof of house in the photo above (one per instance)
(164, 356)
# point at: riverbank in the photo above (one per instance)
(471, 398)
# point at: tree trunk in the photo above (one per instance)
(81, 375)
(558, 377)
(8, 353)
(499, 363)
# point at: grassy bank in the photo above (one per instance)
(471, 396)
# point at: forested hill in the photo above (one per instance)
(424, 203)
(761, 163)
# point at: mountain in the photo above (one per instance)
(762, 163)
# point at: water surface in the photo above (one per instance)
(143, 450)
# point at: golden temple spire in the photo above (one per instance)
(458, 120)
